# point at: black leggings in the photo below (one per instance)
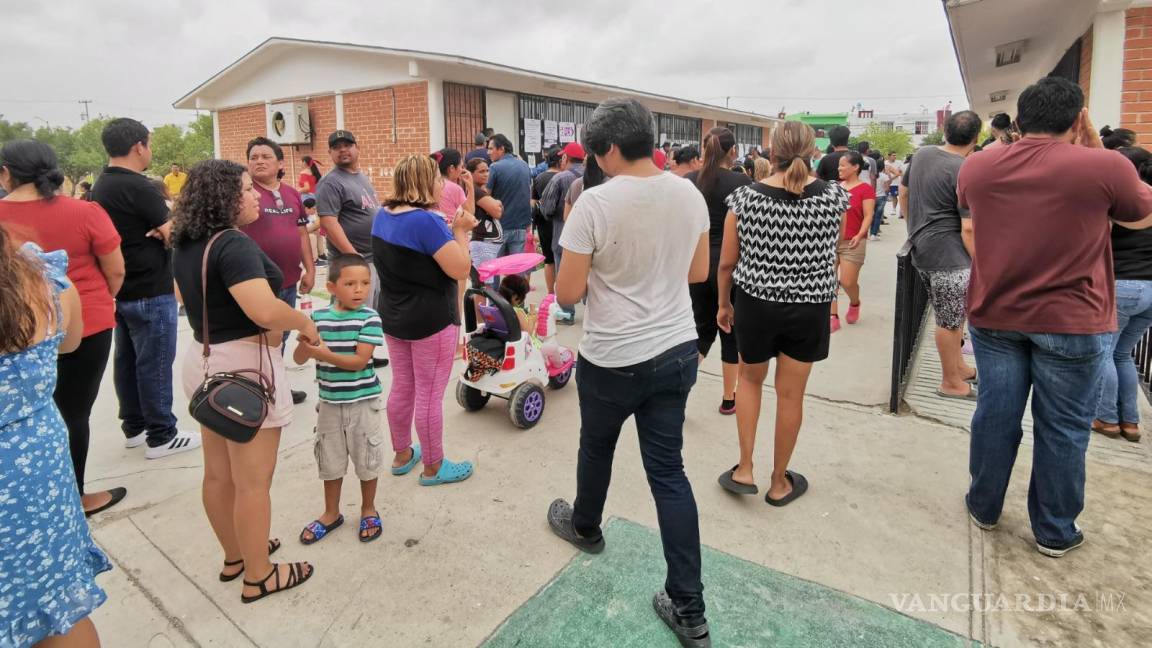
(78, 376)
(544, 230)
(705, 303)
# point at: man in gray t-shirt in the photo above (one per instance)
(940, 242)
(346, 203)
(346, 200)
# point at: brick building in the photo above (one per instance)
(1103, 45)
(399, 102)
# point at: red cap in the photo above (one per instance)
(659, 159)
(574, 151)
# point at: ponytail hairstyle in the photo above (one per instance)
(23, 297)
(447, 158)
(312, 166)
(30, 161)
(793, 144)
(1115, 138)
(1141, 159)
(593, 174)
(717, 143)
(855, 159)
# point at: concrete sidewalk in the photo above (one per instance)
(884, 522)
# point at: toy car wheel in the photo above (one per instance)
(526, 406)
(559, 380)
(470, 398)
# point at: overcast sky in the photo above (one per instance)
(135, 57)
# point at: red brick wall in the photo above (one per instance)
(1136, 97)
(367, 114)
(1086, 63)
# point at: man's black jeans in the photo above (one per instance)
(656, 392)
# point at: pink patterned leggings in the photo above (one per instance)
(420, 373)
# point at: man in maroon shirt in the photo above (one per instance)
(1041, 302)
(282, 229)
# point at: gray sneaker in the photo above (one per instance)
(689, 637)
(1058, 551)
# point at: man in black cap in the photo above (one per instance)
(346, 203)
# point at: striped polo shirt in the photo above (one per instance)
(341, 331)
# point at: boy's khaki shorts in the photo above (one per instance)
(346, 430)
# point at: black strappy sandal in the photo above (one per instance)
(273, 545)
(296, 577)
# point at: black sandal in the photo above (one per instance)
(296, 577)
(273, 545)
(799, 487)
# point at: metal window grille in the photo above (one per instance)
(463, 115)
(678, 130)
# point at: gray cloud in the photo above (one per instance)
(134, 57)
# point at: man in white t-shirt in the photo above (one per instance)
(632, 245)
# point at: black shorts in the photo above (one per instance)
(766, 329)
(544, 231)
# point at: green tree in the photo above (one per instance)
(181, 145)
(886, 140)
(933, 139)
(14, 130)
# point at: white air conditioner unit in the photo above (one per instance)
(289, 123)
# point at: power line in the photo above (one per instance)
(848, 97)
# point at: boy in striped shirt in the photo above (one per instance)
(348, 421)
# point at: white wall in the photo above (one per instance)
(501, 111)
(1107, 79)
(436, 125)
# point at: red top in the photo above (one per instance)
(1040, 216)
(84, 231)
(855, 215)
(307, 182)
(278, 230)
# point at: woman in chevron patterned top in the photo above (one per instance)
(779, 248)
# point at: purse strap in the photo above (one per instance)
(205, 352)
(265, 350)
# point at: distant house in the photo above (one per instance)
(398, 102)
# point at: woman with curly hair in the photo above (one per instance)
(242, 313)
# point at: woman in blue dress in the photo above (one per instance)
(48, 561)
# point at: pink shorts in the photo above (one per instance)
(235, 355)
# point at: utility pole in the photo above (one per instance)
(85, 116)
(726, 101)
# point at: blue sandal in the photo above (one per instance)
(319, 530)
(450, 472)
(407, 468)
(371, 522)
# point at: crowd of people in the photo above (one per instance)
(755, 253)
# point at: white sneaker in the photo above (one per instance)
(182, 442)
(136, 441)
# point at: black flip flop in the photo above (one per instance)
(799, 487)
(118, 494)
(733, 486)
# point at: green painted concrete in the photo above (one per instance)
(605, 600)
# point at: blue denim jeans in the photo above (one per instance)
(878, 214)
(514, 241)
(655, 392)
(142, 367)
(1061, 371)
(1120, 385)
(288, 296)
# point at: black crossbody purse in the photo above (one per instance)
(232, 404)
